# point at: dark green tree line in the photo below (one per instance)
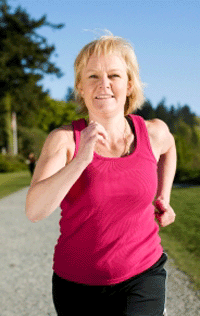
(185, 127)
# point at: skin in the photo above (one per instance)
(104, 87)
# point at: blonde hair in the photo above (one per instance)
(106, 45)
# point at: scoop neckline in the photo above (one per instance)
(124, 157)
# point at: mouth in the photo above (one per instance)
(104, 96)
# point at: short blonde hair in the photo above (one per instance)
(106, 45)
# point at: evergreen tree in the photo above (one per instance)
(161, 111)
(147, 111)
(24, 60)
(70, 95)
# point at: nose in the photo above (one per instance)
(104, 82)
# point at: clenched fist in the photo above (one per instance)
(164, 212)
(89, 136)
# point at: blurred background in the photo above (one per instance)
(39, 41)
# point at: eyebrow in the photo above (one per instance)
(110, 70)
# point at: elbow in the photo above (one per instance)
(31, 216)
(30, 213)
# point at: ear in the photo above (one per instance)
(129, 88)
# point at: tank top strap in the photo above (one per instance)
(78, 126)
(143, 137)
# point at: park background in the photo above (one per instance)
(39, 43)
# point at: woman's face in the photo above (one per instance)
(104, 84)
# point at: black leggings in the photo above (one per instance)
(141, 295)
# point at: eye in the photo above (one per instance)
(114, 76)
(93, 76)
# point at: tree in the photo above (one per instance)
(24, 54)
(161, 111)
(70, 95)
(57, 114)
(24, 60)
(147, 111)
(5, 121)
(185, 113)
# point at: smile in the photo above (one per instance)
(105, 96)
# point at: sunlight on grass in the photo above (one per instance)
(13, 181)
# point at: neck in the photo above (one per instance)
(114, 126)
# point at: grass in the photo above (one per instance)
(181, 239)
(13, 181)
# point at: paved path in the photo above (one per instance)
(26, 252)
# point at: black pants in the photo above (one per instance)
(142, 295)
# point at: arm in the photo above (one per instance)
(166, 167)
(53, 176)
(166, 172)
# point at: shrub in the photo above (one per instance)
(189, 176)
(31, 140)
(10, 163)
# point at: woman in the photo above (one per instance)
(105, 174)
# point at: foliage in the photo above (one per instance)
(5, 124)
(57, 113)
(70, 95)
(24, 54)
(31, 140)
(187, 176)
(9, 163)
(185, 127)
(24, 60)
(147, 111)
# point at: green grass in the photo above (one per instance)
(181, 239)
(13, 181)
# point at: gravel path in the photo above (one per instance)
(26, 251)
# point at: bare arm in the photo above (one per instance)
(166, 171)
(166, 166)
(54, 174)
(53, 177)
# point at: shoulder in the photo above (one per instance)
(160, 134)
(59, 139)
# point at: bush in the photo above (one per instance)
(189, 176)
(10, 163)
(31, 140)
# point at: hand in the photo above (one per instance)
(164, 212)
(89, 136)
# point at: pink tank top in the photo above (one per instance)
(108, 228)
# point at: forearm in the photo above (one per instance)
(166, 173)
(45, 196)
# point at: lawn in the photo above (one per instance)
(181, 239)
(13, 181)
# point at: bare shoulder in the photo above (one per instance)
(57, 151)
(160, 136)
(60, 138)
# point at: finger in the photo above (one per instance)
(166, 218)
(100, 129)
(159, 206)
(97, 137)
